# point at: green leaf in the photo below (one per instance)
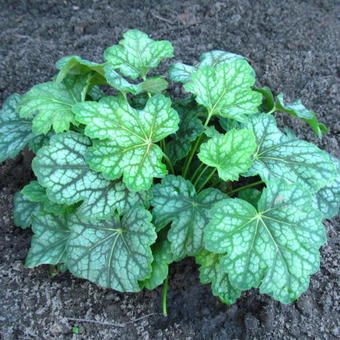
(113, 253)
(61, 168)
(51, 104)
(327, 199)
(275, 247)
(49, 241)
(269, 101)
(24, 210)
(39, 141)
(175, 200)
(297, 109)
(190, 127)
(137, 54)
(217, 57)
(225, 90)
(229, 124)
(36, 193)
(288, 158)
(252, 196)
(154, 85)
(128, 138)
(118, 82)
(182, 72)
(162, 257)
(75, 65)
(229, 153)
(15, 132)
(210, 272)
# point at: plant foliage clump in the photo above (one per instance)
(128, 183)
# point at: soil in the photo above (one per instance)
(294, 46)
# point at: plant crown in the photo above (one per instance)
(129, 183)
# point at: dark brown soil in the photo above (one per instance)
(294, 46)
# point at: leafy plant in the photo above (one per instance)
(129, 183)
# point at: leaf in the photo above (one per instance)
(217, 57)
(211, 131)
(154, 85)
(24, 210)
(225, 90)
(48, 246)
(175, 200)
(327, 199)
(190, 127)
(113, 253)
(162, 257)
(39, 141)
(252, 196)
(269, 101)
(51, 104)
(128, 138)
(297, 109)
(15, 132)
(137, 54)
(182, 72)
(210, 272)
(229, 153)
(275, 247)
(229, 124)
(36, 193)
(61, 168)
(288, 158)
(75, 65)
(118, 82)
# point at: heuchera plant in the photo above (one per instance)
(129, 183)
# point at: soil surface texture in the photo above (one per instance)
(294, 46)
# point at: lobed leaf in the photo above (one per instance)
(15, 132)
(274, 247)
(51, 104)
(182, 73)
(61, 168)
(128, 138)
(49, 242)
(175, 201)
(229, 153)
(118, 82)
(113, 253)
(297, 109)
(210, 272)
(137, 54)
(162, 257)
(24, 210)
(75, 65)
(288, 158)
(327, 199)
(225, 90)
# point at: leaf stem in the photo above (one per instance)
(244, 187)
(163, 146)
(193, 150)
(201, 174)
(164, 297)
(169, 163)
(272, 110)
(206, 180)
(196, 172)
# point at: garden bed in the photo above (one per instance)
(294, 48)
